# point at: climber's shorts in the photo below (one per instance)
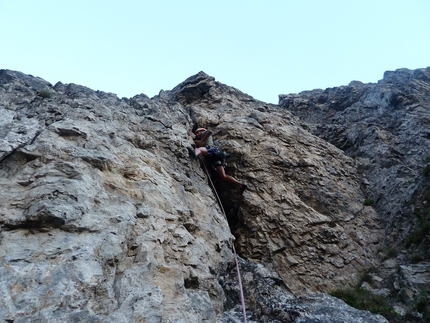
(216, 156)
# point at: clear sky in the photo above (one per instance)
(263, 48)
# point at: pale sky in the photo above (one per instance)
(263, 48)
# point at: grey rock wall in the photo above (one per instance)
(105, 217)
(385, 128)
(303, 215)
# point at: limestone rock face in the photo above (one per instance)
(303, 214)
(106, 218)
(385, 127)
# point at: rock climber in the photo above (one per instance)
(204, 146)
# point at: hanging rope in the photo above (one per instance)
(242, 298)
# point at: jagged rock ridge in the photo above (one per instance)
(385, 128)
(105, 218)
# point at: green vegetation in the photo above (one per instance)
(46, 94)
(426, 196)
(418, 240)
(363, 299)
(426, 169)
(419, 234)
(421, 304)
(389, 252)
(417, 243)
(368, 201)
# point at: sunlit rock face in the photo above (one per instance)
(303, 214)
(106, 218)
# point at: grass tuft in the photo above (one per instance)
(369, 201)
(46, 94)
(363, 299)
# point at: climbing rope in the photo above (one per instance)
(242, 298)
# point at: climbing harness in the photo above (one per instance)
(242, 298)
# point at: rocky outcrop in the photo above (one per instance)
(106, 218)
(303, 215)
(385, 128)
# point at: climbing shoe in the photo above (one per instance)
(243, 188)
(191, 152)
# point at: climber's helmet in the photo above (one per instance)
(199, 130)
